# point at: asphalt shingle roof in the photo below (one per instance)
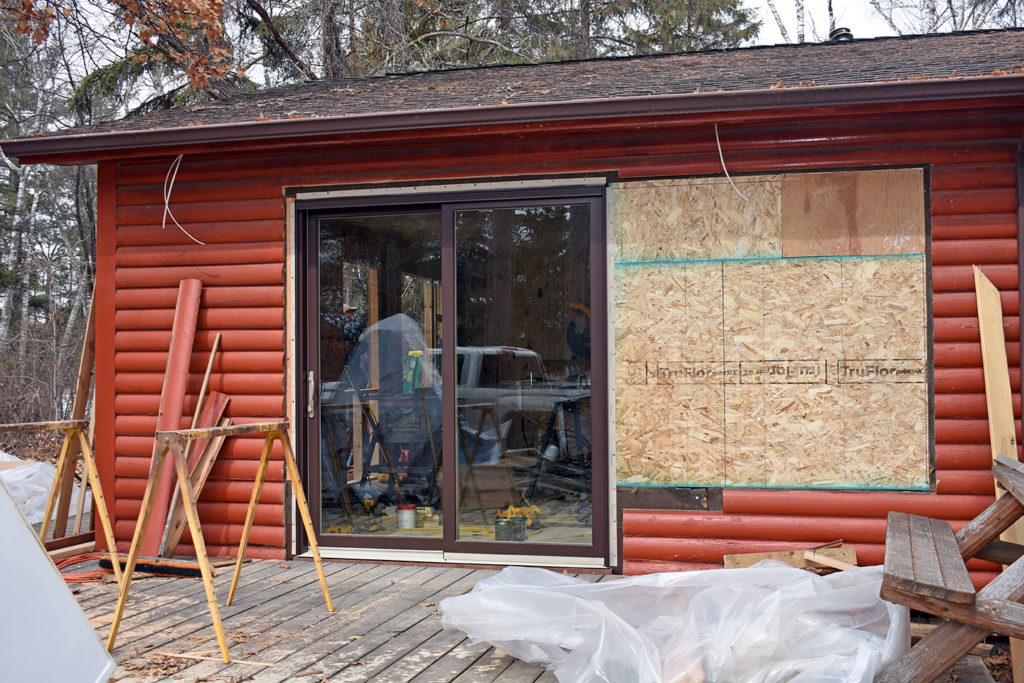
(938, 56)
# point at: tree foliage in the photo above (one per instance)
(220, 47)
(72, 62)
(46, 239)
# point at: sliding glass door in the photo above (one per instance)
(523, 399)
(379, 393)
(455, 374)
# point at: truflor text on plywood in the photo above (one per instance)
(740, 365)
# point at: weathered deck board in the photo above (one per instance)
(157, 593)
(386, 627)
(191, 631)
(273, 631)
(364, 651)
(519, 672)
(188, 615)
(455, 662)
(488, 667)
(315, 635)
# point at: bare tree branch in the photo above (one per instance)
(886, 16)
(778, 19)
(276, 35)
(465, 36)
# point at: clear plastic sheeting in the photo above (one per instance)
(30, 486)
(766, 623)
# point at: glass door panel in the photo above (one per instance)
(380, 390)
(523, 397)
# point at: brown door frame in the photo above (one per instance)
(308, 214)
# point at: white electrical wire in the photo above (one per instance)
(722, 159)
(172, 173)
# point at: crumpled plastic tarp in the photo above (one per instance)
(30, 486)
(766, 623)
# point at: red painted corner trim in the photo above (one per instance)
(103, 399)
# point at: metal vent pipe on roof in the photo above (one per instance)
(840, 35)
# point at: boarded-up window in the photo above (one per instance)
(777, 339)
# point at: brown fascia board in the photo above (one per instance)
(95, 146)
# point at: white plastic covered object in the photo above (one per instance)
(30, 486)
(765, 623)
(44, 634)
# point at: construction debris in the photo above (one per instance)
(832, 555)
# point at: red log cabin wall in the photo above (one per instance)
(234, 202)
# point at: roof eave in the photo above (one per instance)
(105, 145)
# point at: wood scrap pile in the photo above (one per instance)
(821, 559)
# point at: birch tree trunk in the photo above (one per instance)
(25, 315)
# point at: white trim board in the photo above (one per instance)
(439, 556)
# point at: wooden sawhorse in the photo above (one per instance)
(175, 442)
(74, 434)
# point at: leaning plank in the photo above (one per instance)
(203, 416)
(206, 414)
(794, 558)
(211, 417)
(998, 396)
(85, 366)
(999, 404)
(201, 471)
(172, 401)
(820, 559)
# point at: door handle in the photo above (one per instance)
(310, 394)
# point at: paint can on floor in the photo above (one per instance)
(424, 515)
(406, 516)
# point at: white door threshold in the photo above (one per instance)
(441, 557)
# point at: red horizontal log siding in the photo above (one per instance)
(231, 199)
(241, 265)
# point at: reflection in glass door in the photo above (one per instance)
(380, 392)
(524, 354)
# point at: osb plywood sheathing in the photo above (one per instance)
(656, 220)
(737, 367)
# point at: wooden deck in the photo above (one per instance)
(386, 627)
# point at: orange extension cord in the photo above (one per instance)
(82, 577)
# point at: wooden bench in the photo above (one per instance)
(922, 559)
(925, 570)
